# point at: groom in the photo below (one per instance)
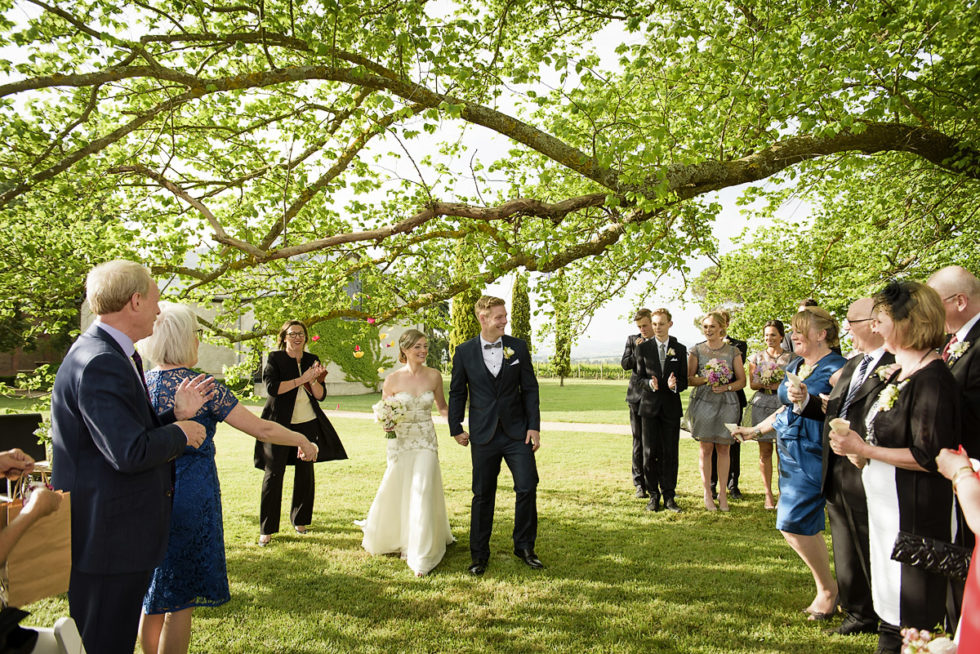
(495, 372)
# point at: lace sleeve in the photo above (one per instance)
(223, 401)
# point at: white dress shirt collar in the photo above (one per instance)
(965, 329)
(125, 342)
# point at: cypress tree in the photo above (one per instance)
(562, 361)
(520, 311)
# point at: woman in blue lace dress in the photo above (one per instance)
(193, 572)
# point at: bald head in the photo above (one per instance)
(960, 292)
(859, 323)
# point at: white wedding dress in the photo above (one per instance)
(408, 515)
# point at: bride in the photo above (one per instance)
(408, 515)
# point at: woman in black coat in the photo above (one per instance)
(294, 382)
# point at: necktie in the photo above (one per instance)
(852, 392)
(948, 345)
(663, 355)
(490, 346)
(138, 360)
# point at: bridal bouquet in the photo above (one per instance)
(921, 641)
(717, 372)
(389, 412)
(769, 372)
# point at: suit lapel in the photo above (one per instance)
(971, 338)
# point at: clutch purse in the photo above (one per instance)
(932, 555)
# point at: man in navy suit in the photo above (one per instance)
(114, 454)
(662, 369)
(495, 372)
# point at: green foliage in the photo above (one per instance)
(36, 387)
(337, 340)
(463, 322)
(241, 377)
(520, 311)
(562, 360)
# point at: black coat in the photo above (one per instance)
(280, 367)
(664, 401)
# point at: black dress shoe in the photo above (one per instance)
(640, 494)
(478, 567)
(653, 504)
(852, 626)
(734, 494)
(671, 505)
(714, 493)
(530, 558)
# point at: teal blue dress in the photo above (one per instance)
(799, 444)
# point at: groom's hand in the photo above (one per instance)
(463, 438)
(533, 436)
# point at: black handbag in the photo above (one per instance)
(14, 638)
(931, 554)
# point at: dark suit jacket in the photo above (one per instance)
(114, 454)
(966, 371)
(635, 390)
(866, 393)
(743, 349)
(280, 367)
(510, 399)
(664, 401)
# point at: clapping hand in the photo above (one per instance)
(313, 373)
(654, 384)
(191, 396)
(672, 382)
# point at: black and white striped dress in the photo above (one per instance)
(925, 418)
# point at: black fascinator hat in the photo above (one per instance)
(895, 296)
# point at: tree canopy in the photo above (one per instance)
(268, 152)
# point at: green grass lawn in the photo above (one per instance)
(618, 579)
(579, 400)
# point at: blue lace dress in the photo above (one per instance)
(193, 572)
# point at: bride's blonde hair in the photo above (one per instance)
(407, 341)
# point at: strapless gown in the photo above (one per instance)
(408, 515)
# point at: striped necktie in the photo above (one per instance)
(852, 392)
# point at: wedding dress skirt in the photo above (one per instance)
(408, 515)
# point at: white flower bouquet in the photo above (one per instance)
(389, 412)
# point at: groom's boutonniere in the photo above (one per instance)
(508, 353)
(956, 350)
(670, 352)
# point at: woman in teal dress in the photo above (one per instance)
(799, 444)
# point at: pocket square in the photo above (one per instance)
(515, 362)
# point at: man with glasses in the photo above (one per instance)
(841, 482)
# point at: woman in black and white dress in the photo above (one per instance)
(916, 415)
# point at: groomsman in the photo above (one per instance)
(634, 391)
(734, 450)
(662, 369)
(841, 483)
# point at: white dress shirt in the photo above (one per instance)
(492, 357)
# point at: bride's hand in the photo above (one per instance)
(463, 438)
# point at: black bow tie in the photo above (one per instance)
(490, 346)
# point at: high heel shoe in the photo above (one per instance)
(817, 616)
(265, 539)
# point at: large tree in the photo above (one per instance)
(267, 152)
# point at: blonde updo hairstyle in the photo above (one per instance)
(172, 341)
(820, 319)
(719, 318)
(407, 341)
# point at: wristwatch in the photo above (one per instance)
(756, 433)
(729, 387)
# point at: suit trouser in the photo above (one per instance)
(636, 427)
(486, 467)
(847, 508)
(304, 486)
(106, 608)
(661, 437)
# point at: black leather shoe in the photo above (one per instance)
(640, 494)
(478, 567)
(671, 505)
(530, 558)
(852, 626)
(653, 504)
(714, 493)
(734, 494)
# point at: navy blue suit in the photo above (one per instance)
(501, 411)
(114, 454)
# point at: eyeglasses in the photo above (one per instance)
(848, 321)
(295, 335)
(954, 295)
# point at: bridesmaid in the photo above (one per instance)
(714, 402)
(766, 401)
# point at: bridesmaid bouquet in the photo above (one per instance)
(769, 372)
(717, 372)
(389, 412)
(916, 641)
